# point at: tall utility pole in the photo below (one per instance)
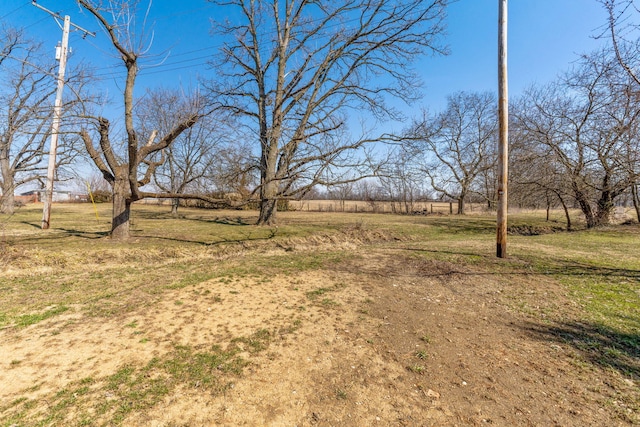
(503, 122)
(61, 55)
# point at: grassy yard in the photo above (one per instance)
(74, 269)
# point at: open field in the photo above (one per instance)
(373, 206)
(329, 319)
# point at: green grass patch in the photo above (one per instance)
(255, 343)
(312, 295)
(31, 319)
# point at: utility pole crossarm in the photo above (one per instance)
(57, 15)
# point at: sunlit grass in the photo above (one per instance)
(75, 268)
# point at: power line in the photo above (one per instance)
(14, 11)
(213, 47)
(197, 61)
(186, 12)
(35, 23)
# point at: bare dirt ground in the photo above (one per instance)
(378, 339)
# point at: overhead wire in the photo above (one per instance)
(173, 66)
(201, 60)
(14, 11)
(36, 23)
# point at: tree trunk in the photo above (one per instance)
(175, 203)
(7, 201)
(566, 212)
(269, 188)
(268, 209)
(268, 202)
(636, 201)
(461, 205)
(121, 210)
(548, 200)
(605, 208)
(585, 207)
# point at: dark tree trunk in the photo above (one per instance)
(268, 209)
(605, 208)
(269, 190)
(585, 207)
(121, 210)
(636, 201)
(461, 205)
(548, 200)
(566, 212)
(175, 203)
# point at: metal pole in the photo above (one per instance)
(55, 126)
(503, 120)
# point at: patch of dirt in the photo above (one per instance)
(483, 362)
(385, 338)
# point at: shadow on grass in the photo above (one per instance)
(240, 241)
(45, 236)
(465, 225)
(550, 268)
(96, 235)
(441, 251)
(599, 345)
(153, 214)
(85, 234)
(32, 224)
(230, 221)
(575, 268)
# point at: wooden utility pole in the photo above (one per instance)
(503, 119)
(61, 55)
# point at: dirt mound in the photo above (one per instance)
(533, 230)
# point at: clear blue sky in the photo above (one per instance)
(545, 37)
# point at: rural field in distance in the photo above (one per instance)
(329, 319)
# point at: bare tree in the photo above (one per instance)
(234, 173)
(28, 84)
(624, 31)
(342, 193)
(585, 124)
(536, 178)
(127, 174)
(295, 68)
(402, 179)
(458, 144)
(10, 40)
(189, 159)
(99, 188)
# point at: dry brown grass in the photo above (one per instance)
(328, 319)
(355, 206)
